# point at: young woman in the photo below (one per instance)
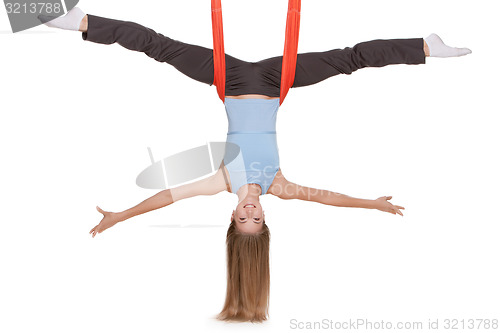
(251, 101)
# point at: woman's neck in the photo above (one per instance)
(249, 191)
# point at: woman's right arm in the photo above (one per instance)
(208, 186)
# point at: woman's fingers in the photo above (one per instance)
(396, 210)
(94, 230)
(389, 207)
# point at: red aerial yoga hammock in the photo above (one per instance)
(289, 54)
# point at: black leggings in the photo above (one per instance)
(261, 77)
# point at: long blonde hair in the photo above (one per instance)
(248, 277)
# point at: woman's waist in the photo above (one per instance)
(254, 170)
(252, 152)
(254, 132)
(260, 140)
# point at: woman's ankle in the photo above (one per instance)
(426, 49)
(84, 24)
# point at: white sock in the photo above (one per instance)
(70, 21)
(438, 49)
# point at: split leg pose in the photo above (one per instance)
(252, 100)
(197, 62)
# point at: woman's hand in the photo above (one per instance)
(109, 220)
(384, 205)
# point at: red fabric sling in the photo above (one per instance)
(219, 54)
(291, 46)
(289, 54)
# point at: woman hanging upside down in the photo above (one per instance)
(252, 93)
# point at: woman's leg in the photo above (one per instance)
(192, 60)
(315, 67)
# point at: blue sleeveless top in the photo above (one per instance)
(252, 127)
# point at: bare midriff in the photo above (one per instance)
(252, 96)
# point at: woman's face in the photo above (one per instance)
(248, 216)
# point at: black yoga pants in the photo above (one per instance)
(261, 77)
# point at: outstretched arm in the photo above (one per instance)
(208, 186)
(288, 190)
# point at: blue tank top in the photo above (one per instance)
(252, 127)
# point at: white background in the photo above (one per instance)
(77, 118)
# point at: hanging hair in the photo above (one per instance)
(248, 277)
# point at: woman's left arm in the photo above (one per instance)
(288, 190)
